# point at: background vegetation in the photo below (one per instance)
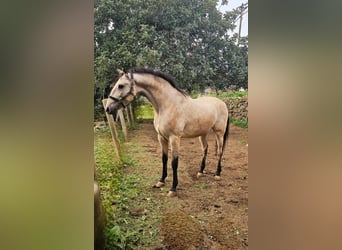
(120, 191)
(188, 39)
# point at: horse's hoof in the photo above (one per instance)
(171, 194)
(159, 184)
(217, 178)
(200, 174)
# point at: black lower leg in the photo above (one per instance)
(218, 170)
(175, 177)
(203, 160)
(164, 173)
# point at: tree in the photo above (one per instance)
(185, 38)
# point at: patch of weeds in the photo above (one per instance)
(242, 123)
(121, 238)
(102, 131)
(126, 230)
(122, 192)
(127, 160)
(243, 141)
(121, 136)
(201, 185)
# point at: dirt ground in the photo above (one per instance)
(206, 214)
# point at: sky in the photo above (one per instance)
(232, 4)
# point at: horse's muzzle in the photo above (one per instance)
(113, 108)
(107, 110)
(111, 111)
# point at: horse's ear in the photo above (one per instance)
(120, 72)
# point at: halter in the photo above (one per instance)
(130, 92)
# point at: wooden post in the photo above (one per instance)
(123, 123)
(128, 118)
(131, 113)
(113, 130)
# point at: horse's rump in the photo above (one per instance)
(203, 114)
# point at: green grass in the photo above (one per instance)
(242, 123)
(201, 185)
(121, 191)
(144, 111)
(234, 94)
(223, 95)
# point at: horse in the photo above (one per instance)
(176, 116)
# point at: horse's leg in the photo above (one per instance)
(216, 147)
(219, 141)
(204, 144)
(175, 142)
(164, 144)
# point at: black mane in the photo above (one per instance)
(160, 74)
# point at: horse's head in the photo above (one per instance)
(122, 93)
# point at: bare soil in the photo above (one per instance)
(206, 214)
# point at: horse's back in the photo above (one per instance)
(203, 114)
(211, 104)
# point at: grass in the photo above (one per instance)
(223, 95)
(122, 191)
(144, 111)
(242, 123)
(201, 185)
(234, 94)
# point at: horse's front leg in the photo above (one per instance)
(164, 144)
(175, 142)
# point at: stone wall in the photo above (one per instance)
(238, 107)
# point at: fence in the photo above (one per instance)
(122, 113)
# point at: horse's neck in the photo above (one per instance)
(161, 94)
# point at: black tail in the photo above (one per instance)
(226, 133)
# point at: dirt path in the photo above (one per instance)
(207, 214)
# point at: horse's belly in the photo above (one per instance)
(195, 130)
(192, 135)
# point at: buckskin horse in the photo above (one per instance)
(176, 115)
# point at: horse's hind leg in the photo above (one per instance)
(219, 141)
(204, 143)
(164, 144)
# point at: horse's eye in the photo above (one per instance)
(120, 86)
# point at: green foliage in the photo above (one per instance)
(120, 192)
(242, 123)
(224, 95)
(144, 111)
(187, 39)
(232, 94)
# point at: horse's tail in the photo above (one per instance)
(226, 133)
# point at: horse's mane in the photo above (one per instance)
(160, 74)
